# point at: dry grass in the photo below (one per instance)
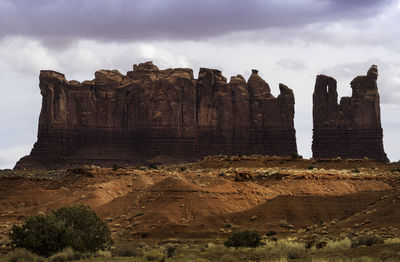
(392, 241)
(126, 251)
(68, 255)
(21, 255)
(283, 250)
(338, 245)
(288, 248)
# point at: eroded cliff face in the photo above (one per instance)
(351, 129)
(158, 115)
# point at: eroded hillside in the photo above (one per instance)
(215, 196)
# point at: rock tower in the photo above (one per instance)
(351, 129)
(158, 115)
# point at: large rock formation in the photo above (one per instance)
(158, 114)
(351, 129)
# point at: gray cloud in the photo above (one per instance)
(292, 64)
(351, 70)
(388, 80)
(60, 22)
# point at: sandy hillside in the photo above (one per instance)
(215, 196)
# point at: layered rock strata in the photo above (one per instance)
(351, 129)
(158, 114)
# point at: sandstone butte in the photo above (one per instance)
(158, 115)
(351, 129)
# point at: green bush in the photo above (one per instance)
(244, 239)
(77, 227)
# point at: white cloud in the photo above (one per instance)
(292, 63)
(25, 55)
(163, 58)
(388, 80)
(10, 155)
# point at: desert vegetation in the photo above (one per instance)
(288, 249)
(244, 239)
(76, 227)
(209, 210)
(77, 233)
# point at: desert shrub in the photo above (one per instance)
(321, 244)
(355, 170)
(210, 245)
(311, 167)
(290, 249)
(391, 241)
(68, 254)
(80, 171)
(271, 233)
(396, 169)
(115, 167)
(284, 224)
(21, 254)
(77, 227)
(126, 251)
(244, 239)
(154, 255)
(339, 244)
(227, 226)
(90, 233)
(43, 235)
(170, 250)
(153, 166)
(366, 240)
(144, 234)
(139, 214)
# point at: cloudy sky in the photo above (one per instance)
(289, 41)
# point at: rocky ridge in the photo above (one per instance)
(158, 115)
